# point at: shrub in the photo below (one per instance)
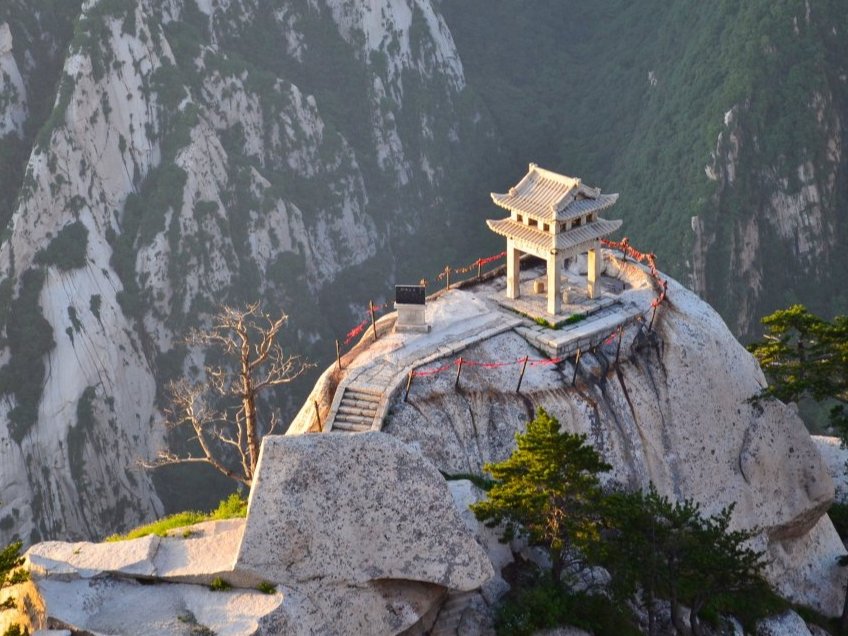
(67, 250)
(219, 585)
(266, 588)
(545, 606)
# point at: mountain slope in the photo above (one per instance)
(720, 123)
(195, 157)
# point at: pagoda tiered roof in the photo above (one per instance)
(549, 196)
(544, 241)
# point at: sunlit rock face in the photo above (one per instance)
(194, 168)
(345, 534)
(675, 412)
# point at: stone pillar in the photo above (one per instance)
(513, 270)
(554, 280)
(593, 275)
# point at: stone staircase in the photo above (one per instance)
(357, 410)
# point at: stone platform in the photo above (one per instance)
(533, 305)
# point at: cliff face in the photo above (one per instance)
(196, 154)
(674, 412)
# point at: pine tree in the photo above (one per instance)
(672, 551)
(547, 491)
(805, 356)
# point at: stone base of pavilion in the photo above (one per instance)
(535, 305)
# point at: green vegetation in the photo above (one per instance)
(67, 250)
(544, 605)
(668, 74)
(29, 337)
(542, 322)
(672, 551)
(548, 492)
(806, 356)
(11, 573)
(219, 585)
(481, 481)
(234, 507)
(267, 588)
(838, 513)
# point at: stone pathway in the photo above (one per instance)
(364, 395)
(459, 319)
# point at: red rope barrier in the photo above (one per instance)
(475, 265)
(360, 328)
(650, 258)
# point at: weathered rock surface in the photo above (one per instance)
(206, 552)
(109, 605)
(354, 509)
(836, 459)
(359, 534)
(675, 412)
(786, 624)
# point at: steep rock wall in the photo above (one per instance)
(182, 166)
(674, 412)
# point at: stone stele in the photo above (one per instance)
(353, 509)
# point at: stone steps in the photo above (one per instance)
(341, 426)
(450, 615)
(357, 410)
(363, 411)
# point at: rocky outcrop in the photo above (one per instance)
(355, 509)
(13, 100)
(790, 221)
(675, 412)
(344, 535)
(835, 456)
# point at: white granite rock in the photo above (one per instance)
(353, 509)
(464, 494)
(675, 413)
(206, 552)
(124, 606)
(835, 456)
(786, 624)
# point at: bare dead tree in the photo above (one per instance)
(256, 363)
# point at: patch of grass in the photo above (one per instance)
(266, 588)
(233, 507)
(219, 585)
(574, 319)
(544, 323)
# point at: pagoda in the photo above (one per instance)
(553, 217)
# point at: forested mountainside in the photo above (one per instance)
(720, 123)
(161, 157)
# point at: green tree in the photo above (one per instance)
(10, 574)
(548, 491)
(806, 356)
(671, 550)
